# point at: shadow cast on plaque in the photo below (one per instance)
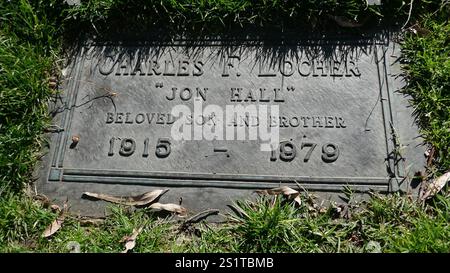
(266, 46)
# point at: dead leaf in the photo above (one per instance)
(56, 224)
(55, 208)
(430, 156)
(291, 193)
(323, 210)
(435, 186)
(130, 241)
(43, 199)
(137, 200)
(53, 82)
(170, 207)
(275, 191)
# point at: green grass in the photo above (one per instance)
(427, 70)
(266, 226)
(28, 54)
(21, 222)
(208, 17)
(32, 33)
(22, 110)
(394, 223)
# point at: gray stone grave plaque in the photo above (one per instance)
(129, 120)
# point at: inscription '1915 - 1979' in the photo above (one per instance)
(287, 150)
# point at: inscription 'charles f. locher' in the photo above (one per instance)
(140, 64)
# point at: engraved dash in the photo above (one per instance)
(221, 149)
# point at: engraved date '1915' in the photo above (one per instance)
(128, 147)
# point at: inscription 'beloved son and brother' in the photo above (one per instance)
(237, 120)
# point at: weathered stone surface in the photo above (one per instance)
(337, 108)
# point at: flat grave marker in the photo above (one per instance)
(198, 117)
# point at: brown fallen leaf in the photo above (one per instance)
(435, 186)
(130, 241)
(55, 208)
(430, 156)
(53, 82)
(298, 200)
(56, 224)
(53, 227)
(170, 207)
(137, 200)
(284, 190)
(43, 199)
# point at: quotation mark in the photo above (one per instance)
(159, 85)
(290, 88)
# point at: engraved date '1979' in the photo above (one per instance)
(288, 151)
